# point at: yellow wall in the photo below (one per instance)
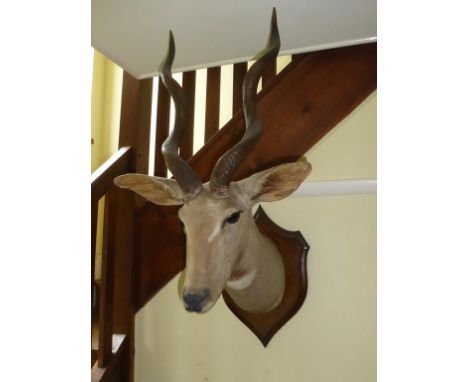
(333, 336)
(105, 109)
(105, 121)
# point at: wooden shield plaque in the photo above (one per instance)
(293, 248)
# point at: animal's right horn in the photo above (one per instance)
(230, 161)
(185, 176)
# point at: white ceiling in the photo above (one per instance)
(134, 33)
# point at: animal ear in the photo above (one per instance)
(276, 183)
(162, 191)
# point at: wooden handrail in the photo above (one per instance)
(102, 179)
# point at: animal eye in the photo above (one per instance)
(233, 218)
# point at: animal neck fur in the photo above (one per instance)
(257, 281)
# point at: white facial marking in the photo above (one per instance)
(213, 235)
(242, 282)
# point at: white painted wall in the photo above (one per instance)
(333, 337)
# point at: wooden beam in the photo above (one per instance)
(106, 298)
(142, 143)
(238, 78)
(135, 129)
(298, 57)
(129, 110)
(162, 128)
(303, 103)
(213, 87)
(269, 73)
(135, 119)
(123, 311)
(94, 217)
(297, 108)
(123, 252)
(135, 125)
(188, 84)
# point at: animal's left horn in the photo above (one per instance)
(185, 176)
(230, 161)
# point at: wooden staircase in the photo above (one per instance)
(144, 246)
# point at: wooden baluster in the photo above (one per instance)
(134, 132)
(124, 252)
(162, 128)
(106, 321)
(238, 78)
(213, 83)
(135, 118)
(188, 84)
(269, 73)
(144, 127)
(94, 216)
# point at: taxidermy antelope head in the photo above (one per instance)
(225, 250)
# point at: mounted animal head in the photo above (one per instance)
(223, 243)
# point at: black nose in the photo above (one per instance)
(193, 301)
